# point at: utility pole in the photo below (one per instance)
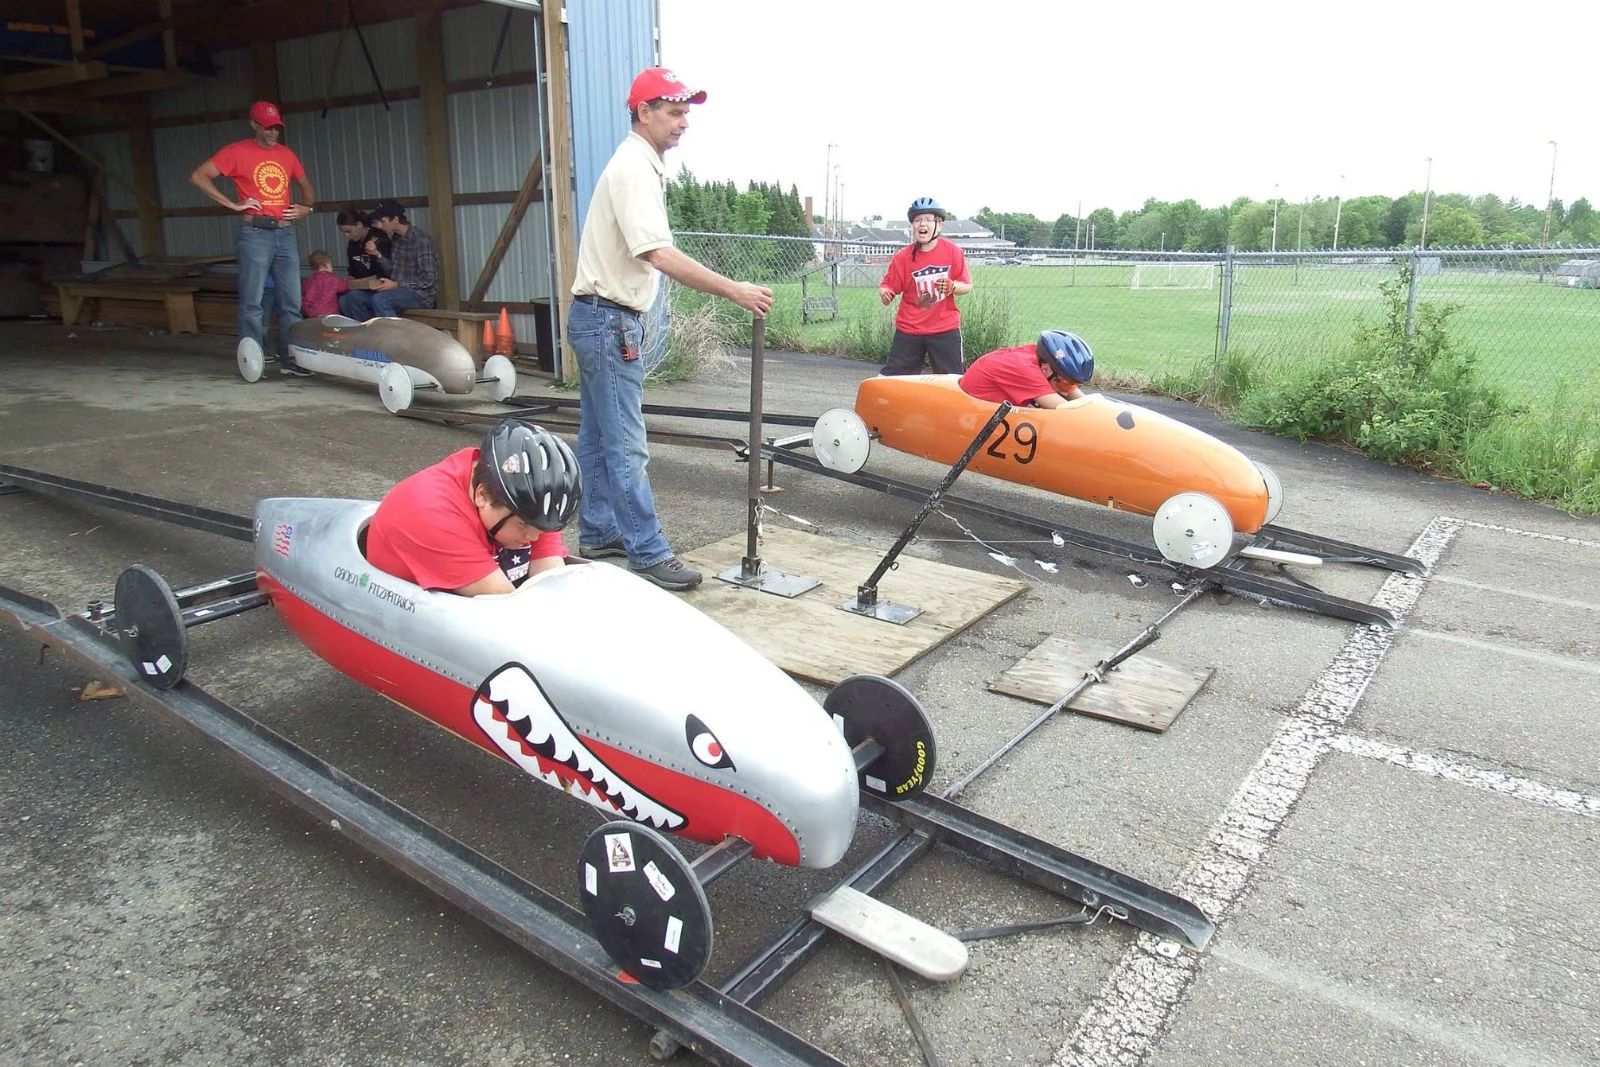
(1077, 231)
(1550, 198)
(1549, 202)
(1427, 195)
(1337, 212)
(827, 179)
(1274, 216)
(1300, 234)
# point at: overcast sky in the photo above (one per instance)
(1035, 106)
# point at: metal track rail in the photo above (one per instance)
(1227, 577)
(696, 1016)
(238, 527)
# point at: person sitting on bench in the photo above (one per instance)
(411, 268)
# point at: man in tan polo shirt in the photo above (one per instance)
(625, 247)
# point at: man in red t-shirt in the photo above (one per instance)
(261, 169)
(482, 519)
(927, 275)
(1043, 375)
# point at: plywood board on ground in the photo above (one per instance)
(809, 636)
(1141, 692)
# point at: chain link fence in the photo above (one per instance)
(1532, 316)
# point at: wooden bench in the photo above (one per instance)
(464, 326)
(179, 301)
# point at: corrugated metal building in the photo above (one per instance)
(355, 96)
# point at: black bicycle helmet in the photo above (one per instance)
(1068, 354)
(535, 471)
(925, 205)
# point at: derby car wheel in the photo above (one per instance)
(841, 441)
(150, 627)
(251, 359)
(869, 708)
(394, 386)
(502, 376)
(1274, 490)
(644, 905)
(1193, 530)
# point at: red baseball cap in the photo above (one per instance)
(265, 113)
(659, 83)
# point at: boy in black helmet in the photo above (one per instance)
(482, 519)
(927, 275)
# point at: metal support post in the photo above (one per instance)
(1225, 316)
(866, 598)
(752, 573)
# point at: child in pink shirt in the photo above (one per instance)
(319, 294)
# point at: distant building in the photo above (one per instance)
(880, 240)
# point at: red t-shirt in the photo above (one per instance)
(320, 292)
(263, 173)
(911, 277)
(1010, 374)
(427, 530)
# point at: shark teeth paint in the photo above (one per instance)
(513, 712)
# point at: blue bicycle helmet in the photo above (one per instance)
(1067, 354)
(535, 471)
(925, 205)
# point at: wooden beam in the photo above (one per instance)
(559, 191)
(75, 28)
(169, 36)
(50, 77)
(105, 48)
(508, 231)
(470, 85)
(149, 82)
(74, 105)
(151, 236)
(92, 221)
(436, 147)
(507, 196)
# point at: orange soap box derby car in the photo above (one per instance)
(1199, 490)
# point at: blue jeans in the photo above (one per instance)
(261, 252)
(612, 453)
(364, 304)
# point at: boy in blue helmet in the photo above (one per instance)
(927, 275)
(1042, 375)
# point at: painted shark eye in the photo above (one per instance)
(705, 746)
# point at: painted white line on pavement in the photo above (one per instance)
(1422, 1021)
(1580, 542)
(1549, 659)
(1535, 792)
(1134, 1007)
(1520, 594)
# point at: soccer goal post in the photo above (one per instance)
(1174, 275)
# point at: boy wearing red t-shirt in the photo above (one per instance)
(443, 529)
(1042, 375)
(927, 275)
(261, 169)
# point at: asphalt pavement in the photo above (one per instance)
(1398, 832)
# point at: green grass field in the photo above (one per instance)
(1528, 336)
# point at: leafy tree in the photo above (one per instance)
(1182, 220)
(1449, 226)
(1250, 228)
(1211, 233)
(1064, 231)
(1103, 222)
(1581, 223)
(750, 213)
(1402, 213)
(1146, 231)
(1363, 223)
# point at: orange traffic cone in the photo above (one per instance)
(504, 341)
(487, 348)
